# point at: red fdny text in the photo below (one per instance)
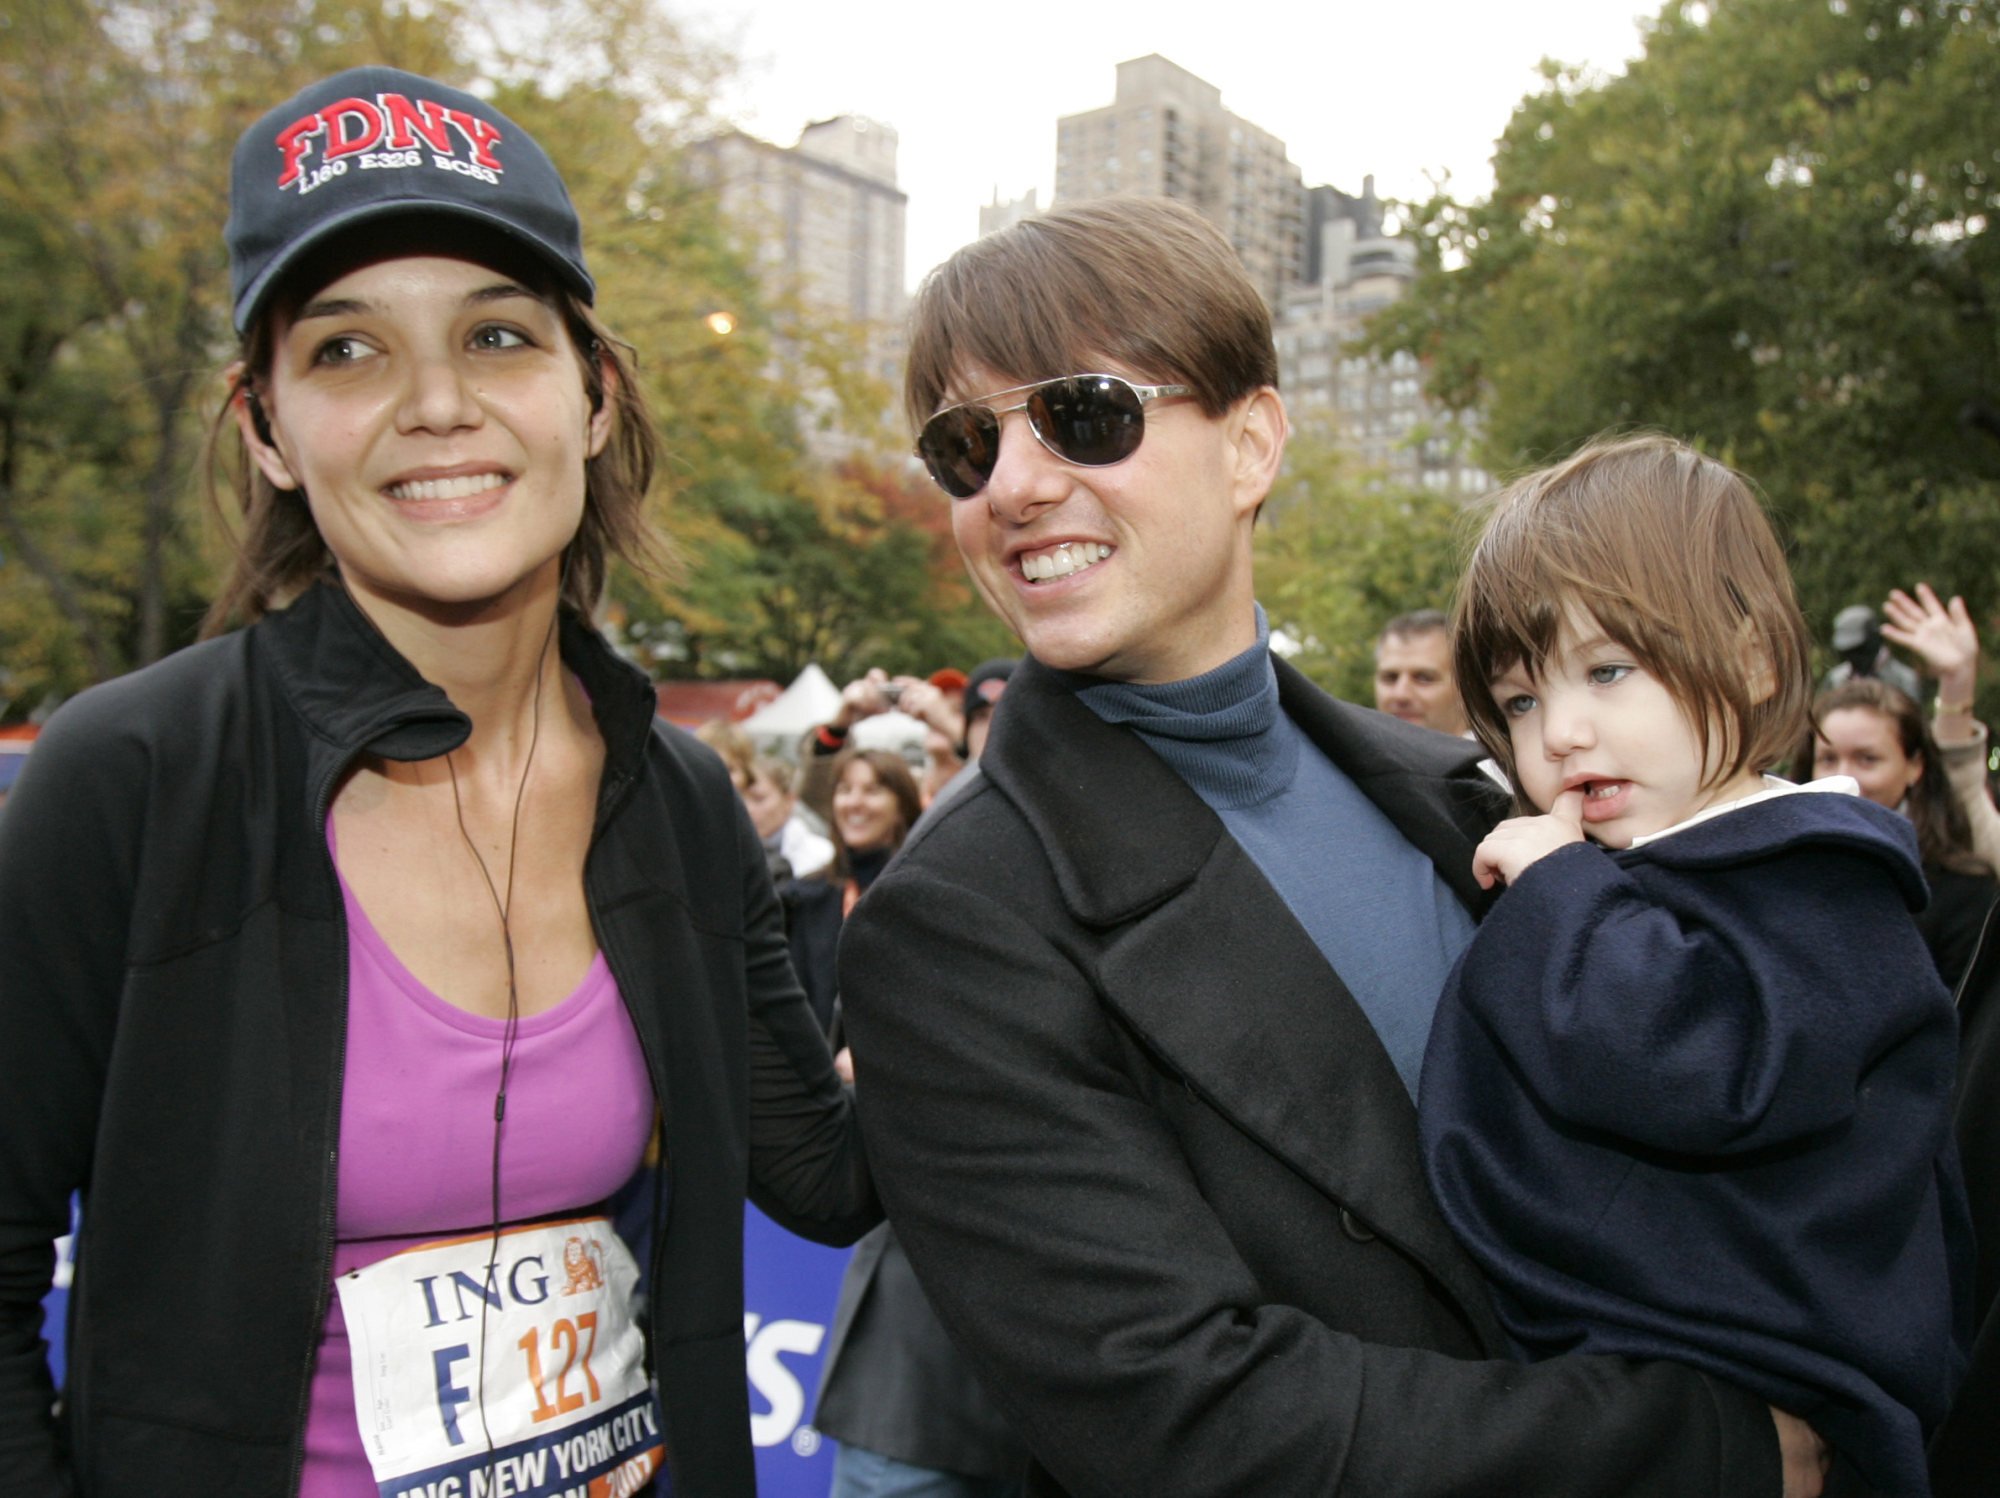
(381, 127)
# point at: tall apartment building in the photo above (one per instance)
(823, 220)
(1354, 269)
(1166, 134)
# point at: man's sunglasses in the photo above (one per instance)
(1093, 420)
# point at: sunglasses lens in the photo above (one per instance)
(960, 447)
(1094, 420)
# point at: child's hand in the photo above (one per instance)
(1519, 841)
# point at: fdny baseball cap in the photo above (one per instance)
(374, 143)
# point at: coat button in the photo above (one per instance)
(1352, 1226)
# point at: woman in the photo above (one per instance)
(1868, 729)
(875, 803)
(1944, 636)
(349, 962)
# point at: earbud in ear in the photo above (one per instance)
(259, 423)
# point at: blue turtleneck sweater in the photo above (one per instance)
(1374, 905)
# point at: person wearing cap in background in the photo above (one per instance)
(1857, 640)
(389, 936)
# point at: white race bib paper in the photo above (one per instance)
(565, 1411)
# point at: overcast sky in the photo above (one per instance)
(1403, 91)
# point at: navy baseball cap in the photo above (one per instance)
(374, 143)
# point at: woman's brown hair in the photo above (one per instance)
(1672, 555)
(279, 550)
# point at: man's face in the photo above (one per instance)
(1413, 681)
(1139, 571)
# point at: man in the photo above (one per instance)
(1413, 679)
(983, 689)
(1151, 1149)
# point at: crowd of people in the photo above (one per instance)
(1514, 1087)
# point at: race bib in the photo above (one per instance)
(563, 1411)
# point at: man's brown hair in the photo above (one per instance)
(1671, 553)
(1147, 284)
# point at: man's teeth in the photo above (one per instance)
(463, 486)
(1071, 556)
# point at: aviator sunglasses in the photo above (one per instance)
(1092, 420)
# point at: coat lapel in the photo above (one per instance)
(1205, 963)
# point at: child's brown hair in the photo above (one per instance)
(1673, 556)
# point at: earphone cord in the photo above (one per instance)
(503, 908)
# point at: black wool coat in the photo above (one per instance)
(1158, 1175)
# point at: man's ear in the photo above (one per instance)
(1259, 427)
(253, 423)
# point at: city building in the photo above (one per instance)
(823, 222)
(999, 215)
(1166, 134)
(1353, 268)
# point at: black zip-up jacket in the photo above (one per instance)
(173, 1000)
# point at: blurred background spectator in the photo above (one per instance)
(1857, 640)
(1870, 730)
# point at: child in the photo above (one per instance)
(1687, 1092)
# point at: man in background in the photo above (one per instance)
(1413, 679)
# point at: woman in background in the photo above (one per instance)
(1872, 731)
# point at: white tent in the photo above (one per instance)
(809, 701)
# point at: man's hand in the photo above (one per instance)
(1519, 841)
(1805, 1456)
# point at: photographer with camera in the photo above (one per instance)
(931, 702)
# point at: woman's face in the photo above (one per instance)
(1861, 742)
(433, 412)
(865, 814)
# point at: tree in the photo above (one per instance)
(1772, 236)
(116, 125)
(1340, 552)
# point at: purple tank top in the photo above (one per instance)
(416, 1139)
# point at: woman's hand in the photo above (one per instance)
(1941, 633)
(1944, 636)
(864, 697)
(1519, 841)
(931, 706)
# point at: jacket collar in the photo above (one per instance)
(357, 694)
(1123, 832)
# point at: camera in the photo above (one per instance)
(892, 692)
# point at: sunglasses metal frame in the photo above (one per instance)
(1146, 395)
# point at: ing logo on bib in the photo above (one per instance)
(583, 1266)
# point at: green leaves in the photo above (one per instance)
(1773, 236)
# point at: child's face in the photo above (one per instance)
(1595, 719)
